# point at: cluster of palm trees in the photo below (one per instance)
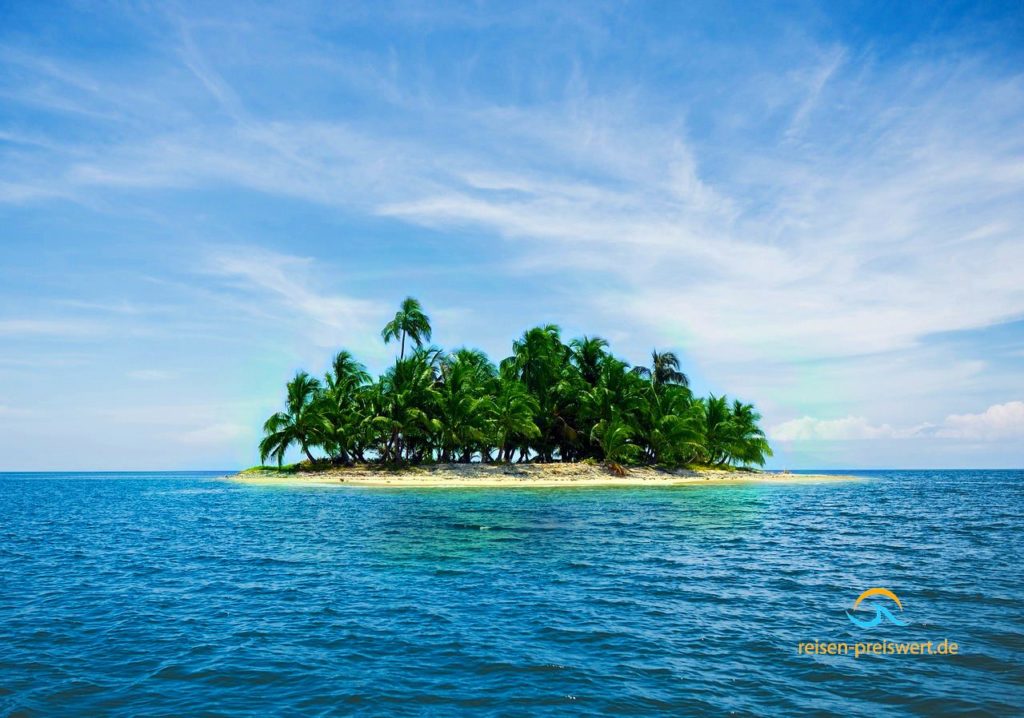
(548, 401)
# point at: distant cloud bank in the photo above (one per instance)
(998, 422)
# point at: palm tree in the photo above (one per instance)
(587, 355)
(664, 370)
(548, 401)
(749, 444)
(300, 423)
(346, 373)
(671, 426)
(462, 405)
(341, 403)
(717, 428)
(538, 360)
(512, 411)
(407, 402)
(410, 321)
(732, 434)
(614, 438)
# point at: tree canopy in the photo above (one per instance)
(548, 401)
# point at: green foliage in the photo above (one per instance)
(410, 321)
(731, 433)
(615, 439)
(511, 422)
(548, 401)
(264, 469)
(302, 422)
(664, 370)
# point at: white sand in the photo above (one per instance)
(525, 475)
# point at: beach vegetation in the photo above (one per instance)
(549, 400)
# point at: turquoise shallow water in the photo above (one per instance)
(175, 594)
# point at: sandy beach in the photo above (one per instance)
(518, 475)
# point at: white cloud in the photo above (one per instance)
(290, 282)
(50, 327)
(1001, 421)
(998, 422)
(846, 429)
(847, 244)
(815, 80)
(122, 307)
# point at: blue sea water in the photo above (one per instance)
(182, 594)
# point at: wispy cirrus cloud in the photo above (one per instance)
(60, 328)
(868, 252)
(290, 284)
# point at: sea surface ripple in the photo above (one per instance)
(180, 594)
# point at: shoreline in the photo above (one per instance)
(553, 475)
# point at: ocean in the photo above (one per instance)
(182, 594)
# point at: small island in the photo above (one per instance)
(550, 414)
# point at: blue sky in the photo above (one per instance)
(820, 207)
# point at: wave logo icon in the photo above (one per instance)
(881, 611)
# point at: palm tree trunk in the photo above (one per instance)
(309, 456)
(401, 354)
